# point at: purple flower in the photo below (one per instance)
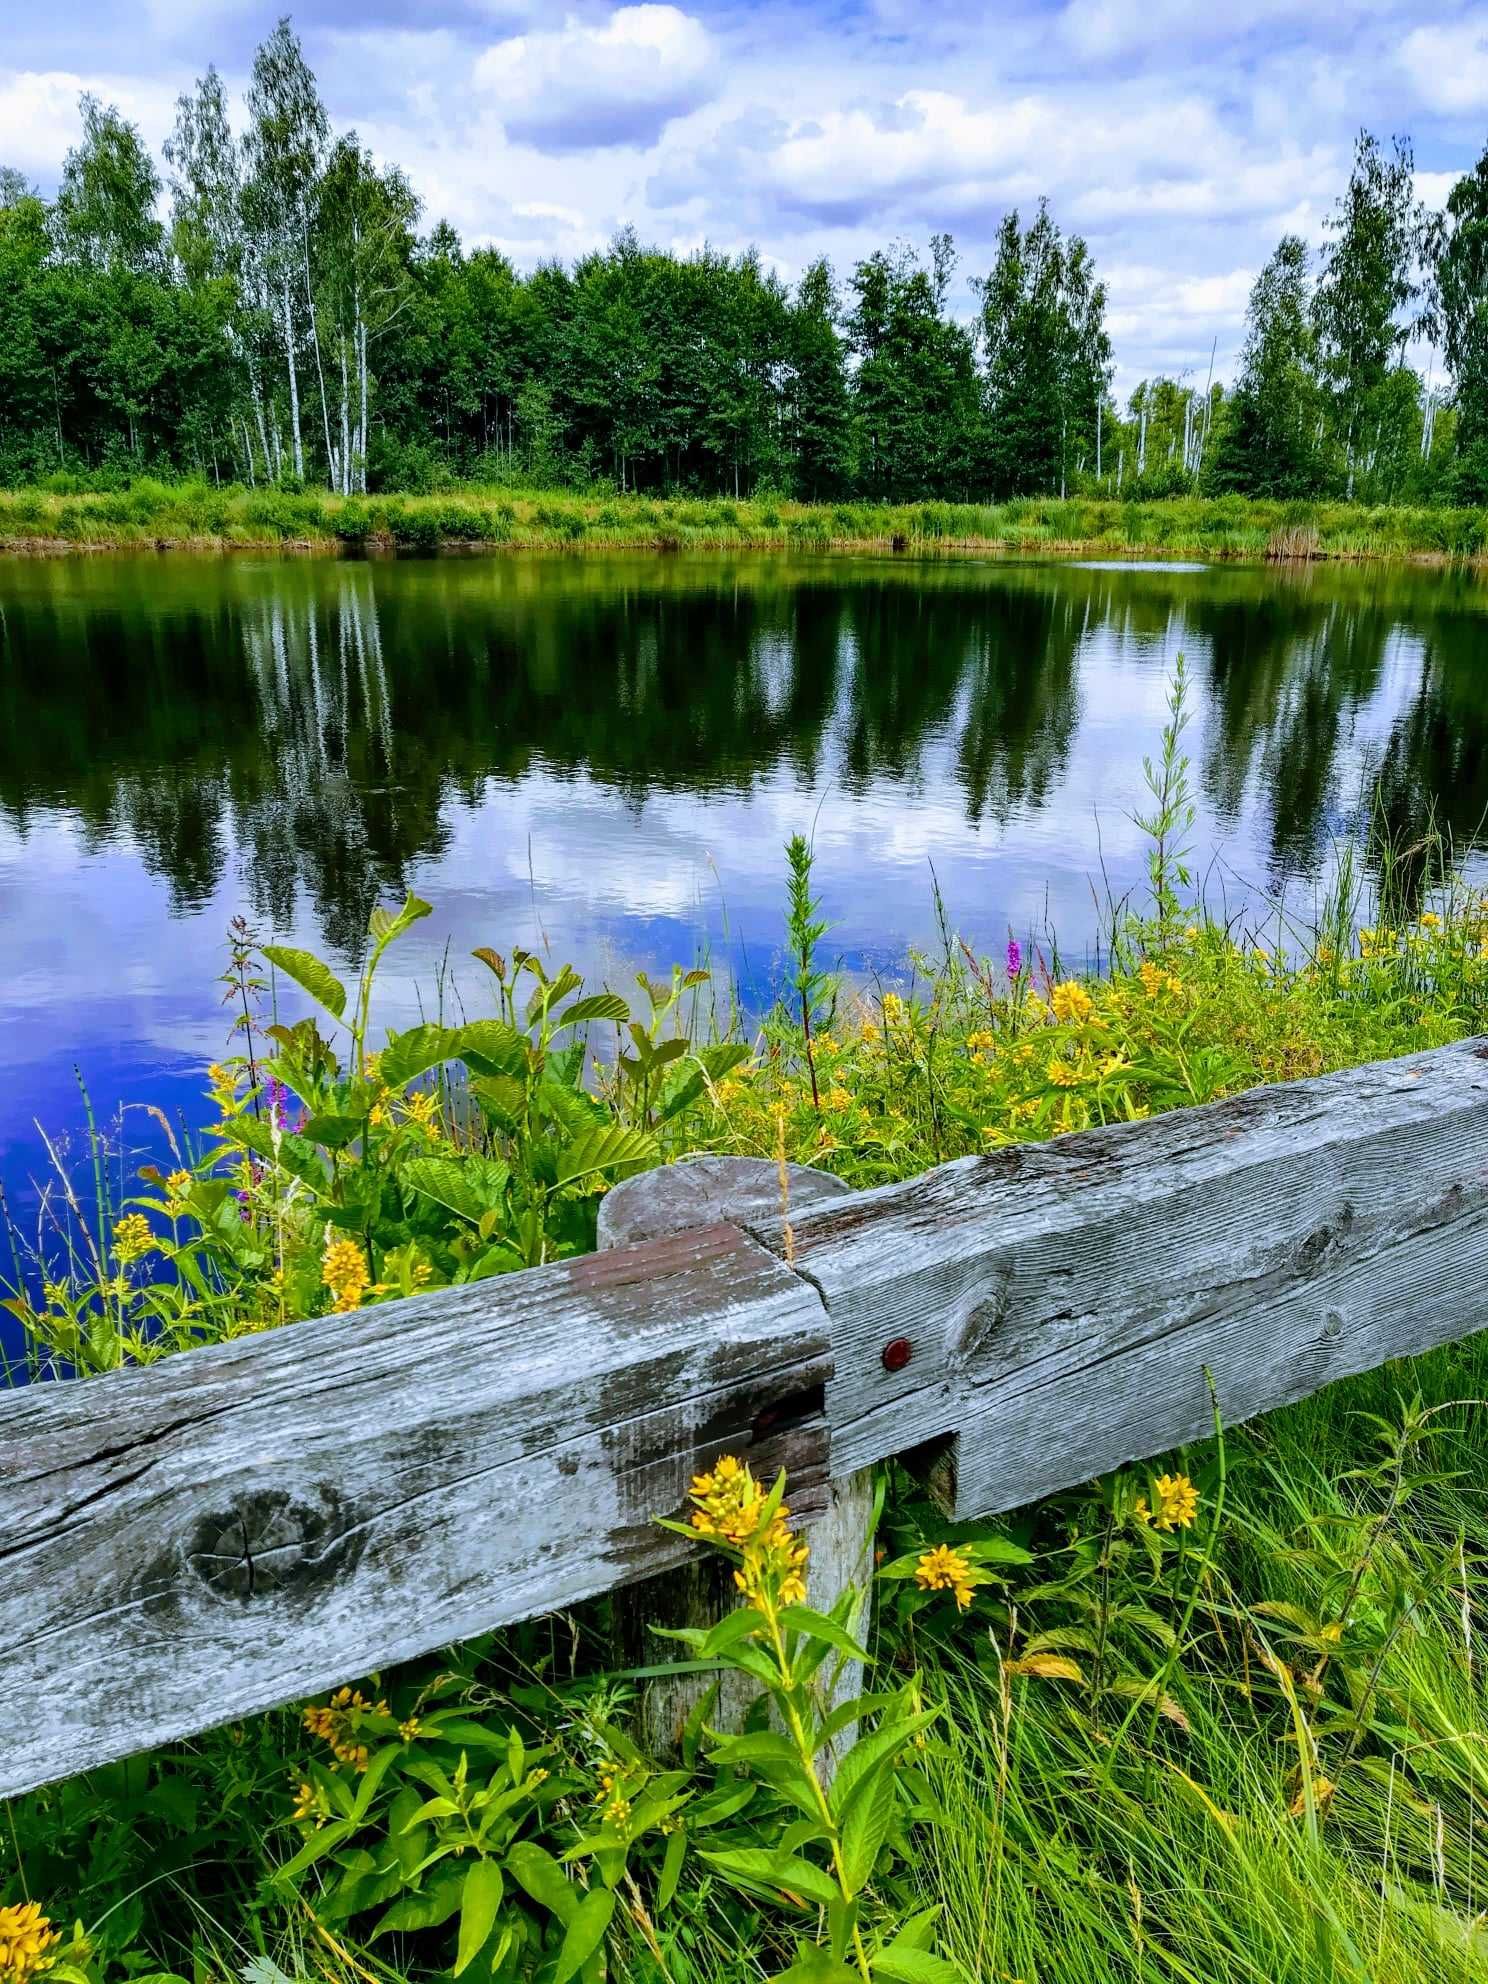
(244, 1210)
(1014, 958)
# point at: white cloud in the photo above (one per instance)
(583, 88)
(1448, 65)
(39, 122)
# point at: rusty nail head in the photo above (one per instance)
(896, 1353)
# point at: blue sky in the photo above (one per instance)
(1182, 139)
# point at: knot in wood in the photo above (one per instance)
(269, 1542)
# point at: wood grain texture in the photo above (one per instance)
(1063, 1300)
(250, 1523)
(672, 1199)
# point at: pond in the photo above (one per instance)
(601, 758)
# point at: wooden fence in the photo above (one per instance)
(251, 1523)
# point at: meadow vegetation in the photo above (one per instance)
(196, 515)
(1220, 1717)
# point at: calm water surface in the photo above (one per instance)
(603, 757)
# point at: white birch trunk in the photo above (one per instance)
(294, 387)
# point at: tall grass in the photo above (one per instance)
(205, 516)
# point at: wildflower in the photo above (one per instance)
(893, 1007)
(731, 1507)
(339, 1725)
(1014, 958)
(343, 1269)
(1071, 1002)
(837, 1098)
(132, 1237)
(1063, 1074)
(1177, 1503)
(28, 1942)
(309, 1804)
(1429, 920)
(944, 1569)
(1191, 934)
(1153, 980)
(409, 1730)
(178, 1185)
(422, 1108)
(729, 1502)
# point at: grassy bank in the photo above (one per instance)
(1218, 1719)
(198, 516)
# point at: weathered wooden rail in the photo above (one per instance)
(251, 1523)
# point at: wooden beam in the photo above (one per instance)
(248, 1524)
(1059, 1303)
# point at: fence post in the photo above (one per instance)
(698, 1191)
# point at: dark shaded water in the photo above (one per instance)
(605, 756)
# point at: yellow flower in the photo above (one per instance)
(132, 1236)
(178, 1185)
(408, 1730)
(1063, 1074)
(1177, 1503)
(944, 1569)
(339, 1723)
(1071, 1002)
(837, 1099)
(1191, 933)
(893, 1006)
(731, 1510)
(1429, 920)
(422, 1108)
(343, 1269)
(307, 1805)
(28, 1942)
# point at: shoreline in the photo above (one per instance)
(203, 521)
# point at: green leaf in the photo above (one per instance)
(491, 1047)
(384, 926)
(598, 1006)
(802, 1619)
(867, 1828)
(758, 1866)
(584, 1933)
(757, 1746)
(735, 1625)
(311, 975)
(871, 1752)
(902, 1963)
(815, 1966)
(604, 1150)
(671, 1868)
(426, 1909)
(480, 1898)
(412, 1053)
(468, 1186)
(539, 1873)
(333, 1132)
(319, 1843)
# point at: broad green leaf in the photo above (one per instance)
(871, 1752)
(539, 1873)
(598, 1006)
(412, 1053)
(758, 1746)
(866, 1829)
(310, 974)
(491, 1047)
(735, 1625)
(758, 1866)
(802, 1619)
(671, 1868)
(443, 1179)
(584, 1933)
(319, 1843)
(386, 925)
(333, 1132)
(480, 1898)
(815, 1966)
(426, 1909)
(598, 1151)
(901, 1963)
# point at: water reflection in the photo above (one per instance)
(612, 750)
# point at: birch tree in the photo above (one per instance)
(285, 152)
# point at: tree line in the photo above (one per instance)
(267, 310)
